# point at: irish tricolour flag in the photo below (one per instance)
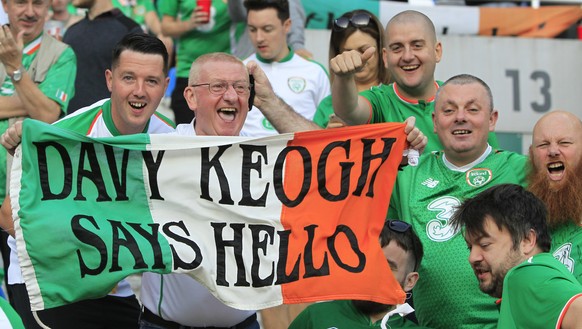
(260, 222)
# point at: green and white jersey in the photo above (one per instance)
(447, 294)
(537, 294)
(341, 314)
(299, 82)
(388, 105)
(567, 247)
(220, 34)
(95, 121)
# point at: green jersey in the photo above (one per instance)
(218, 35)
(447, 294)
(388, 105)
(58, 85)
(537, 293)
(135, 10)
(567, 247)
(341, 314)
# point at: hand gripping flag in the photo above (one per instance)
(285, 219)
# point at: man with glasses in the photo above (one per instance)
(403, 251)
(220, 94)
(411, 54)
(426, 196)
(301, 83)
(506, 231)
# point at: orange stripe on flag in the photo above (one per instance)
(334, 267)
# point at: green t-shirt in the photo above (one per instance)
(58, 85)
(567, 247)
(447, 294)
(135, 11)
(216, 36)
(535, 293)
(388, 106)
(341, 314)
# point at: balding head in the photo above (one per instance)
(414, 17)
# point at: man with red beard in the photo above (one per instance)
(556, 178)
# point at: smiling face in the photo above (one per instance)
(491, 256)
(462, 120)
(268, 33)
(557, 147)
(411, 55)
(219, 115)
(26, 15)
(137, 84)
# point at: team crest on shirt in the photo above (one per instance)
(563, 254)
(267, 125)
(478, 177)
(296, 84)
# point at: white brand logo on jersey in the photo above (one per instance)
(429, 182)
(563, 255)
(439, 229)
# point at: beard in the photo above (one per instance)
(563, 200)
(494, 287)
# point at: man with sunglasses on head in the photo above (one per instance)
(411, 54)
(300, 82)
(403, 251)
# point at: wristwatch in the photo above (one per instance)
(17, 75)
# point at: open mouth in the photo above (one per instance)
(137, 105)
(461, 132)
(409, 67)
(556, 170)
(227, 114)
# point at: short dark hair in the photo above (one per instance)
(281, 6)
(141, 43)
(511, 207)
(405, 238)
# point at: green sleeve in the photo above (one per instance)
(168, 7)
(324, 110)
(14, 320)
(59, 83)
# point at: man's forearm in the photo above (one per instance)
(344, 96)
(34, 103)
(284, 118)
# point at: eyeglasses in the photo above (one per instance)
(358, 20)
(218, 88)
(398, 226)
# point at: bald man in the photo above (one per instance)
(556, 178)
(411, 54)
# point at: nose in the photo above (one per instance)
(230, 94)
(408, 54)
(29, 9)
(460, 115)
(259, 35)
(139, 88)
(554, 150)
(475, 256)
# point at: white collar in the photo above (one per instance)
(470, 165)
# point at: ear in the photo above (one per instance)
(493, 119)
(385, 57)
(410, 281)
(433, 121)
(287, 25)
(190, 97)
(438, 51)
(529, 243)
(166, 84)
(109, 79)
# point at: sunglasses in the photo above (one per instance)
(398, 226)
(358, 20)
